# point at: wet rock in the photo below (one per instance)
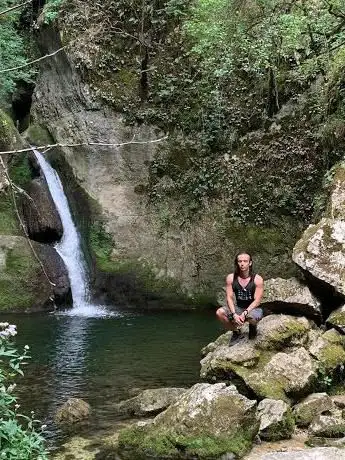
(149, 402)
(208, 421)
(290, 296)
(328, 349)
(276, 332)
(223, 339)
(276, 420)
(42, 220)
(73, 411)
(310, 407)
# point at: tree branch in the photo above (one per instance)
(100, 144)
(34, 61)
(16, 7)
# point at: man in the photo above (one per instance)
(247, 288)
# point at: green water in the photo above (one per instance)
(102, 360)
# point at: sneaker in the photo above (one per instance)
(236, 337)
(252, 331)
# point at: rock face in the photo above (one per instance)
(285, 361)
(23, 285)
(42, 220)
(208, 421)
(186, 258)
(149, 402)
(321, 250)
(290, 296)
(73, 411)
(276, 420)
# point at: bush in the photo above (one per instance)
(20, 437)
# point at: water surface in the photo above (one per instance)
(103, 360)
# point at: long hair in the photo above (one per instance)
(237, 268)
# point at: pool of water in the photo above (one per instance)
(103, 360)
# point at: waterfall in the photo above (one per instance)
(69, 247)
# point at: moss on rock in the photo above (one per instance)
(37, 135)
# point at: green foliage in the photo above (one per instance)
(51, 10)
(20, 435)
(101, 244)
(12, 51)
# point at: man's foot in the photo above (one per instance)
(236, 337)
(252, 331)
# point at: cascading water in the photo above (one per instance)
(69, 247)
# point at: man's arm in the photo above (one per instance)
(230, 293)
(259, 291)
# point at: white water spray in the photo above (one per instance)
(69, 247)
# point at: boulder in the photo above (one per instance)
(290, 296)
(41, 218)
(315, 404)
(276, 332)
(321, 252)
(328, 426)
(149, 402)
(339, 401)
(23, 284)
(207, 421)
(337, 319)
(73, 411)
(328, 349)
(276, 420)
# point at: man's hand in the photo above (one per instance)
(238, 319)
(243, 316)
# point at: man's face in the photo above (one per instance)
(244, 262)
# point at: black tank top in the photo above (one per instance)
(244, 295)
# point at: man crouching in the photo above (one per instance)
(247, 287)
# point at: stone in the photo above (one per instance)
(318, 453)
(207, 421)
(328, 350)
(339, 401)
(285, 376)
(276, 420)
(337, 318)
(281, 331)
(149, 402)
(327, 426)
(313, 405)
(73, 411)
(290, 296)
(321, 252)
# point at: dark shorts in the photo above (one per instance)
(256, 313)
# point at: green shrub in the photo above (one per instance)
(20, 437)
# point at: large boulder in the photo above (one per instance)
(290, 296)
(208, 421)
(41, 218)
(276, 332)
(321, 249)
(23, 284)
(149, 402)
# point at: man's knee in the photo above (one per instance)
(220, 313)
